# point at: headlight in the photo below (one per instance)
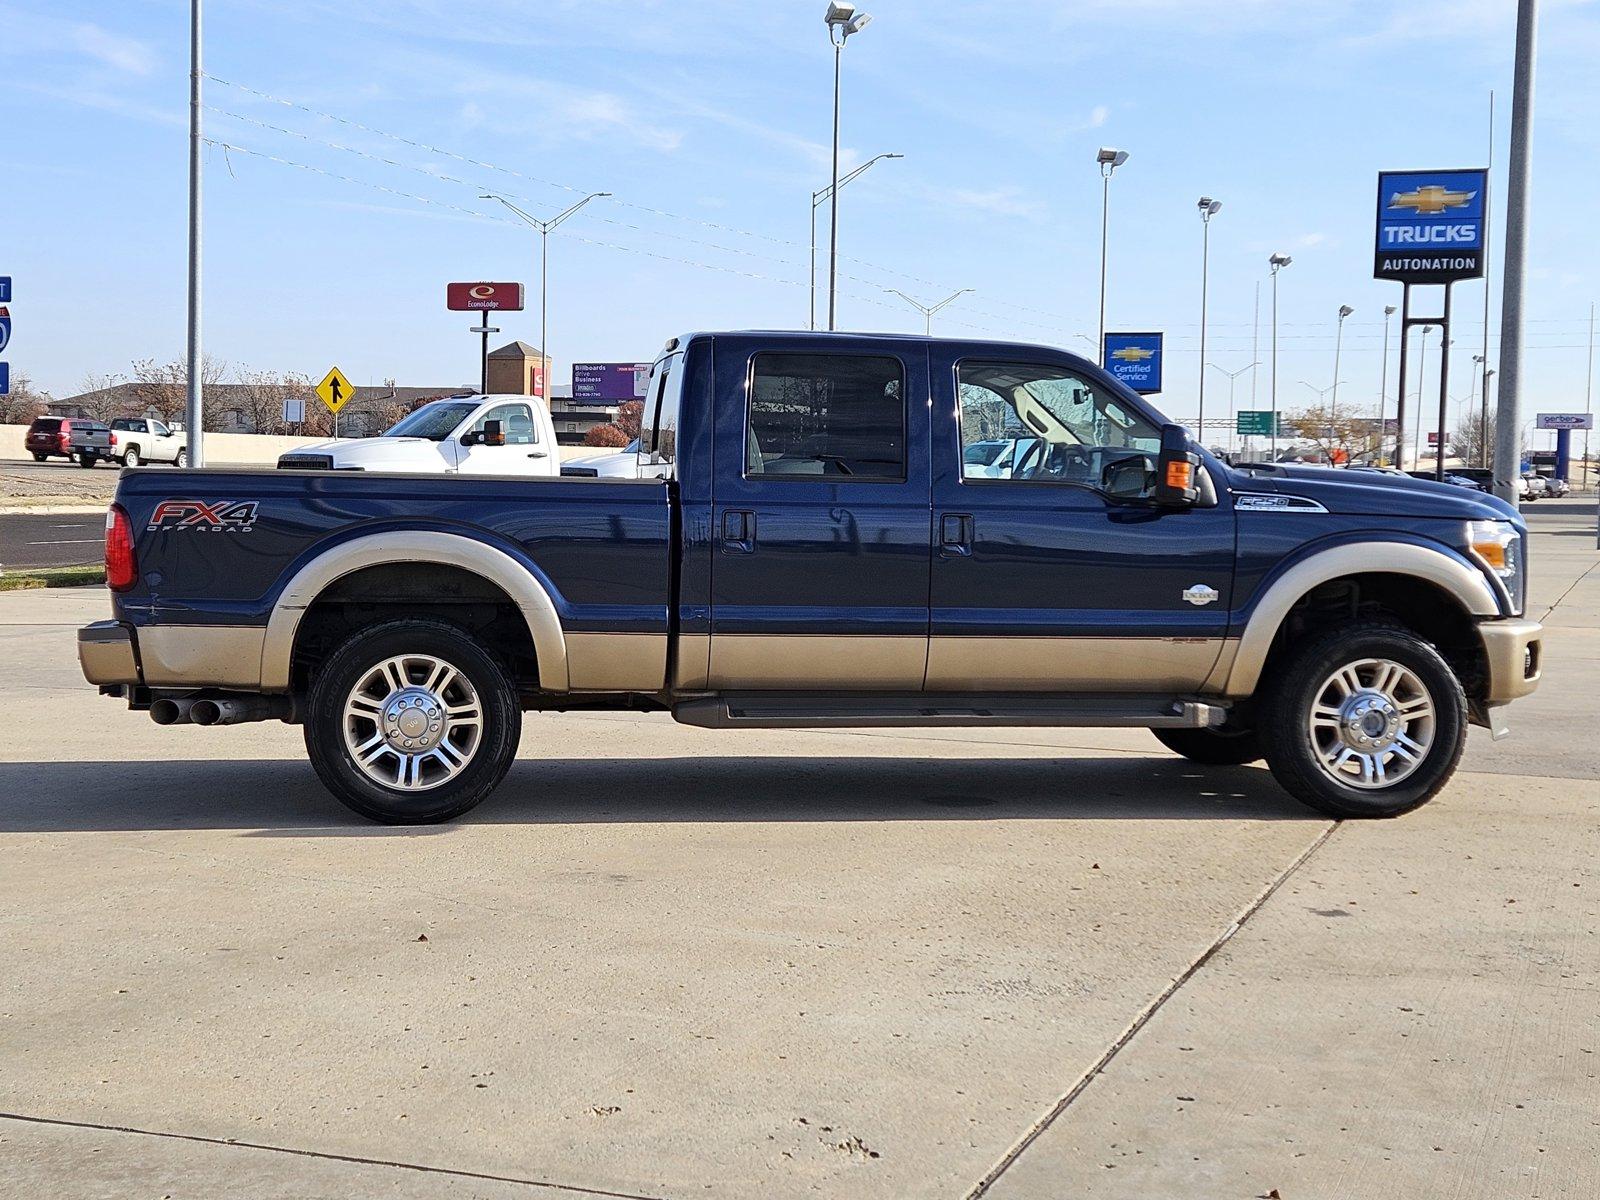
(1498, 546)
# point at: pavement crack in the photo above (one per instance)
(1148, 1011)
(422, 1168)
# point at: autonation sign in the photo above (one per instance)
(1431, 225)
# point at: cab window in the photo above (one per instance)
(658, 431)
(516, 422)
(1037, 423)
(838, 417)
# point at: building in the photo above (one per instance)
(519, 368)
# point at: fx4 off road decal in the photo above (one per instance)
(205, 516)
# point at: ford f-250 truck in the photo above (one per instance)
(819, 554)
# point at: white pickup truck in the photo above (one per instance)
(468, 435)
(139, 440)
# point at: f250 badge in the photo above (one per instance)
(206, 516)
(1200, 593)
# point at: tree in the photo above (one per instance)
(1341, 438)
(608, 435)
(258, 397)
(630, 415)
(24, 403)
(163, 388)
(100, 399)
(1473, 439)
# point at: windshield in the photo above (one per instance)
(434, 421)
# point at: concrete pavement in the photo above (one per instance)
(664, 961)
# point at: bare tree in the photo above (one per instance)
(1473, 439)
(163, 388)
(1340, 437)
(100, 398)
(258, 398)
(24, 403)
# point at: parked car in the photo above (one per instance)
(142, 440)
(816, 558)
(1452, 477)
(1384, 471)
(49, 437)
(1482, 476)
(91, 441)
(1534, 487)
(614, 464)
(467, 435)
(1556, 486)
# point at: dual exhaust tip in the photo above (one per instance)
(220, 710)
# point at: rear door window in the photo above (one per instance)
(839, 417)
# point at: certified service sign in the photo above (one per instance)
(1431, 225)
(1135, 359)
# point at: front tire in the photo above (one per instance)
(182, 460)
(1213, 747)
(411, 722)
(1368, 720)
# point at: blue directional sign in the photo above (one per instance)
(1432, 225)
(5, 289)
(5, 379)
(1135, 359)
(5, 328)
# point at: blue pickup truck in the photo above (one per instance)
(834, 530)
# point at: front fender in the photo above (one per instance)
(409, 546)
(1434, 564)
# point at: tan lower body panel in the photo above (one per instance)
(813, 662)
(201, 655)
(617, 662)
(1070, 664)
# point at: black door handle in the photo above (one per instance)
(955, 535)
(738, 531)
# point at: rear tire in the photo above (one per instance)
(411, 722)
(1367, 720)
(130, 456)
(1213, 747)
(40, 457)
(86, 461)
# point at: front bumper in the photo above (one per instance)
(1514, 652)
(106, 653)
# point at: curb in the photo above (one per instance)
(49, 510)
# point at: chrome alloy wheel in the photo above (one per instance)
(1371, 724)
(412, 722)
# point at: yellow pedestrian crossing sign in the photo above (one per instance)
(335, 390)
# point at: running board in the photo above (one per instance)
(782, 710)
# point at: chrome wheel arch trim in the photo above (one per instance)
(1465, 585)
(448, 549)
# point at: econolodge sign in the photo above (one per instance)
(1432, 225)
(483, 297)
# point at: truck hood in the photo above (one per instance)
(1362, 493)
(380, 453)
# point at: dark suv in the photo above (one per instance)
(49, 437)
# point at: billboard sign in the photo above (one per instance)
(475, 297)
(609, 383)
(1134, 359)
(1432, 225)
(1566, 421)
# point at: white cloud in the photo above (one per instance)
(113, 49)
(998, 202)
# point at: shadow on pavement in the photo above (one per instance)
(277, 797)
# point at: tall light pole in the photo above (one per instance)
(926, 310)
(1383, 385)
(193, 409)
(1338, 344)
(1422, 371)
(842, 20)
(1277, 262)
(1588, 395)
(1514, 264)
(1208, 209)
(1483, 413)
(544, 228)
(816, 200)
(1232, 375)
(1109, 159)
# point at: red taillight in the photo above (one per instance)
(113, 438)
(121, 569)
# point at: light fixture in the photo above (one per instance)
(1280, 259)
(1111, 157)
(1344, 311)
(1209, 207)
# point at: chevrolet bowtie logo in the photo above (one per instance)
(1133, 354)
(1431, 200)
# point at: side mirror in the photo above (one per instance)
(1127, 478)
(1177, 468)
(494, 434)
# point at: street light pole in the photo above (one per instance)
(1208, 209)
(1422, 371)
(1514, 265)
(1232, 375)
(927, 311)
(193, 410)
(1338, 344)
(817, 198)
(1109, 159)
(1383, 385)
(842, 20)
(544, 228)
(1277, 262)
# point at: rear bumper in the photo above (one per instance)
(106, 653)
(1514, 652)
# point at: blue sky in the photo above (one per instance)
(711, 123)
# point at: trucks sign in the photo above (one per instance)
(610, 382)
(1431, 225)
(473, 297)
(1134, 359)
